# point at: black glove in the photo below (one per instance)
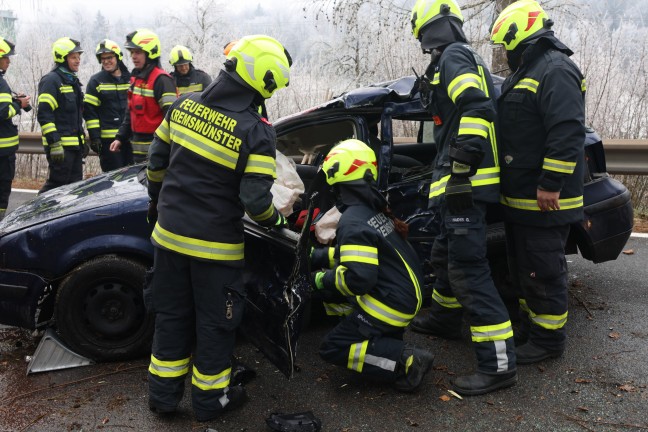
(152, 213)
(95, 145)
(458, 194)
(85, 149)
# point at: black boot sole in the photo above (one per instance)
(496, 386)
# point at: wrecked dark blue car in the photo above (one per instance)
(75, 258)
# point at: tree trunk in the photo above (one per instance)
(499, 65)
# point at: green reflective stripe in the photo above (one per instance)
(163, 131)
(436, 79)
(168, 369)
(331, 257)
(210, 250)
(190, 88)
(203, 146)
(9, 142)
(408, 363)
(583, 85)
(523, 306)
(382, 312)
(358, 253)
(48, 128)
(482, 77)
(474, 126)
(483, 177)
(492, 137)
(140, 147)
(461, 83)
(155, 176)
(69, 141)
(337, 309)
(92, 124)
(112, 87)
(66, 89)
(528, 84)
(92, 100)
(6, 97)
(340, 282)
(528, 204)
(109, 133)
(357, 352)
(261, 164)
(48, 99)
(558, 166)
(211, 382)
(446, 302)
(549, 322)
(415, 282)
(143, 92)
(167, 99)
(267, 214)
(491, 333)
(11, 111)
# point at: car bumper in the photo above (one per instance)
(23, 296)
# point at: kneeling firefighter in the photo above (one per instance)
(376, 270)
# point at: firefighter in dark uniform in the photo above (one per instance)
(542, 114)
(60, 106)
(151, 93)
(212, 159)
(10, 107)
(186, 76)
(376, 269)
(105, 105)
(464, 181)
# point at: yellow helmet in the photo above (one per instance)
(349, 161)
(145, 40)
(108, 46)
(180, 55)
(6, 48)
(261, 62)
(425, 12)
(518, 22)
(64, 46)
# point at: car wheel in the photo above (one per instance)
(100, 311)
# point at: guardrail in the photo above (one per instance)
(622, 156)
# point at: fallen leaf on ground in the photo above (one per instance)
(583, 408)
(454, 394)
(582, 381)
(614, 335)
(629, 251)
(411, 422)
(627, 388)
(444, 398)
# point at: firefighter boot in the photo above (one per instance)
(414, 364)
(234, 397)
(482, 382)
(428, 323)
(530, 353)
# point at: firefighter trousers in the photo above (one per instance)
(110, 161)
(198, 305)
(464, 285)
(363, 347)
(68, 171)
(7, 173)
(538, 268)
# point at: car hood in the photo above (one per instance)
(99, 191)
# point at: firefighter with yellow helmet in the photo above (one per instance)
(464, 181)
(212, 160)
(10, 106)
(542, 115)
(60, 106)
(151, 93)
(376, 270)
(105, 105)
(186, 76)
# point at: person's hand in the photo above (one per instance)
(547, 200)
(115, 146)
(57, 154)
(317, 279)
(95, 144)
(152, 213)
(24, 102)
(458, 194)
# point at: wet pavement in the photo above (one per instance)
(600, 384)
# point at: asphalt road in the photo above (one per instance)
(600, 384)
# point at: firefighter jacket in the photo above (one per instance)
(194, 81)
(150, 94)
(542, 115)
(60, 106)
(464, 114)
(8, 109)
(377, 270)
(213, 157)
(105, 103)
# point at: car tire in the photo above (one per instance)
(100, 311)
